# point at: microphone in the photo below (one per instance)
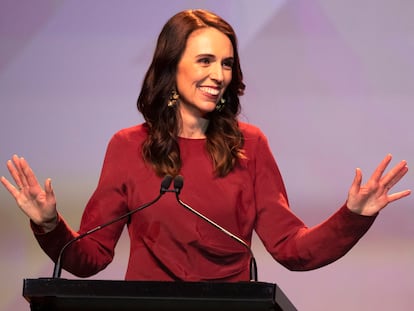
(165, 184)
(178, 185)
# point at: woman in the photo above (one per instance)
(190, 102)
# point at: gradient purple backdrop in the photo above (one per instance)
(331, 84)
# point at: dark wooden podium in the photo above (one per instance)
(104, 295)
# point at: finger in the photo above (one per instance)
(28, 173)
(356, 183)
(398, 195)
(11, 166)
(381, 168)
(8, 185)
(395, 175)
(21, 179)
(48, 188)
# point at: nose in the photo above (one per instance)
(216, 74)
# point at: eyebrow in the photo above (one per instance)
(213, 56)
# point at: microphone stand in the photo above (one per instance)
(178, 184)
(57, 271)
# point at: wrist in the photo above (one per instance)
(50, 224)
(45, 226)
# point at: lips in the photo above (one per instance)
(209, 90)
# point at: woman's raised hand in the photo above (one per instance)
(373, 196)
(37, 203)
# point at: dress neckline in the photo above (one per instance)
(191, 139)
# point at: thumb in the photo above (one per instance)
(49, 188)
(356, 183)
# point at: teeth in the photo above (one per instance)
(210, 90)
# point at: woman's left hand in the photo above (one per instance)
(370, 198)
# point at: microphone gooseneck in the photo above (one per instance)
(165, 184)
(178, 185)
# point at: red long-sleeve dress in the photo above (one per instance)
(170, 243)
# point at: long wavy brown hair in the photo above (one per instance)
(224, 140)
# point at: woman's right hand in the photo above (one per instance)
(38, 204)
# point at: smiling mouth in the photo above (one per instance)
(209, 90)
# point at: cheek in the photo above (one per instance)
(188, 80)
(186, 77)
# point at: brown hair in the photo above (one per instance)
(224, 139)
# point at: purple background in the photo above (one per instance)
(330, 83)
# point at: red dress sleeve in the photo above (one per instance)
(284, 235)
(93, 253)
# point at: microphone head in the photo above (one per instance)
(165, 184)
(178, 183)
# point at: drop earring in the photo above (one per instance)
(172, 101)
(220, 105)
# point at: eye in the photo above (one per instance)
(204, 61)
(228, 63)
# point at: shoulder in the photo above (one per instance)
(136, 133)
(125, 144)
(252, 133)
(129, 138)
(256, 144)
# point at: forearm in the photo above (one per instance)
(311, 248)
(82, 258)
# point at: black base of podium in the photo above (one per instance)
(107, 295)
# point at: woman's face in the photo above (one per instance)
(204, 71)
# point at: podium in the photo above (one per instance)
(106, 295)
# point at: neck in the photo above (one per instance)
(193, 127)
(195, 131)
